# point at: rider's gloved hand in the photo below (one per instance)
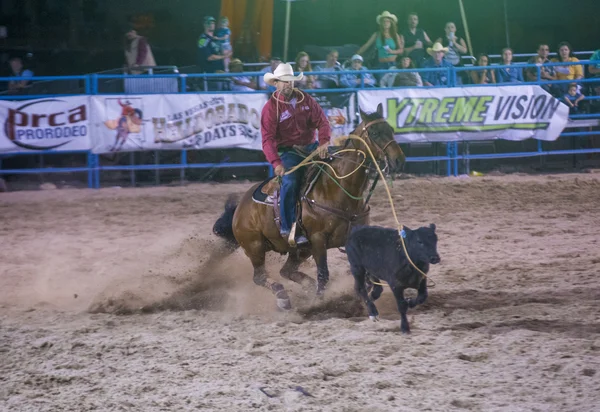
(322, 150)
(279, 170)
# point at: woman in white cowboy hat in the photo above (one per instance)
(388, 42)
(436, 61)
(290, 118)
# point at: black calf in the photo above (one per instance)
(375, 253)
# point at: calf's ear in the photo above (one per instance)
(432, 226)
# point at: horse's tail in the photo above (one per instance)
(223, 227)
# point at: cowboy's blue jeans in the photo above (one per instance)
(290, 186)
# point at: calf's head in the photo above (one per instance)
(422, 244)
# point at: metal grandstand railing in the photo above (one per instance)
(458, 156)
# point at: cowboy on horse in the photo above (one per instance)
(288, 123)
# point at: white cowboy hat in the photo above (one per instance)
(436, 48)
(283, 72)
(387, 15)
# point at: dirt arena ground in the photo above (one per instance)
(512, 325)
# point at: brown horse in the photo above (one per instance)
(327, 212)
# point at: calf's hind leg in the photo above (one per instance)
(360, 286)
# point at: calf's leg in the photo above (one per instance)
(377, 290)
(360, 286)
(421, 295)
(402, 308)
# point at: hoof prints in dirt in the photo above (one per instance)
(573, 329)
(199, 296)
(478, 300)
(342, 306)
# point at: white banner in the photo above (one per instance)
(469, 113)
(176, 121)
(58, 123)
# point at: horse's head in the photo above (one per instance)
(379, 136)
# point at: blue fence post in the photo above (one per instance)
(455, 158)
(132, 171)
(90, 166)
(183, 78)
(96, 171)
(271, 171)
(157, 170)
(87, 85)
(183, 166)
(449, 161)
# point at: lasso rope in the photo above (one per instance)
(401, 232)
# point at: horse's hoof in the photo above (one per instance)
(374, 318)
(284, 304)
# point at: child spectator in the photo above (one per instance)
(351, 80)
(485, 76)
(508, 74)
(303, 65)
(572, 98)
(223, 36)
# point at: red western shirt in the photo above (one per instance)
(291, 123)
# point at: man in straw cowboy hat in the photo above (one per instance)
(436, 61)
(290, 118)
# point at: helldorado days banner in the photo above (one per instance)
(159, 122)
(469, 113)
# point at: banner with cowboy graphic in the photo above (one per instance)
(58, 124)
(469, 113)
(340, 109)
(173, 122)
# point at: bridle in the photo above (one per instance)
(365, 135)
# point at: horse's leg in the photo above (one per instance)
(402, 308)
(360, 286)
(319, 252)
(290, 269)
(256, 251)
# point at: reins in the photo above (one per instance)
(309, 160)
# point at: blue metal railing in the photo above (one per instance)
(90, 85)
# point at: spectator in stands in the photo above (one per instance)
(485, 76)
(546, 72)
(456, 45)
(571, 72)
(531, 73)
(223, 36)
(508, 74)
(275, 61)
(388, 42)
(17, 70)
(137, 51)
(211, 57)
(572, 98)
(437, 61)
(303, 65)
(352, 80)
(329, 81)
(241, 83)
(415, 40)
(402, 79)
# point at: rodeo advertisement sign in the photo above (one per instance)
(469, 113)
(173, 122)
(59, 124)
(340, 111)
